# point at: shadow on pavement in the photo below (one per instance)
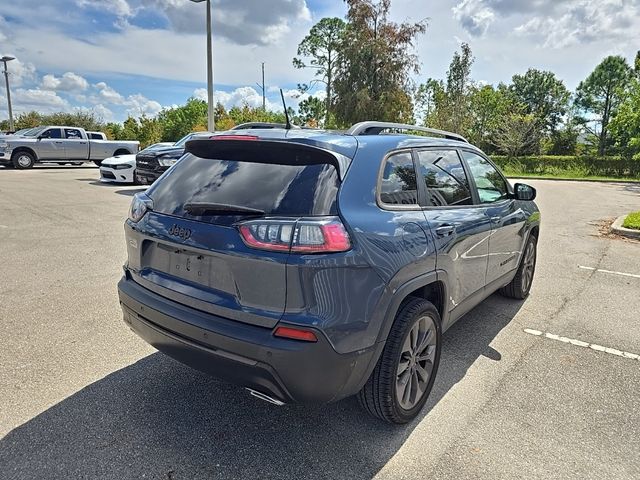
(132, 192)
(159, 419)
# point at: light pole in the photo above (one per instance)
(4, 60)
(211, 123)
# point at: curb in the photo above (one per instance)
(626, 232)
(595, 180)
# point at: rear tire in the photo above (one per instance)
(403, 378)
(520, 286)
(23, 160)
(77, 163)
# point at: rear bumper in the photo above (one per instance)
(287, 370)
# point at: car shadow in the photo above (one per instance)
(131, 192)
(160, 419)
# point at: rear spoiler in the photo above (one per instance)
(253, 149)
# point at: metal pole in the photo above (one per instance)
(6, 78)
(264, 101)
(211, 110)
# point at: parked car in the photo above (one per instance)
(96, 135)
(151, 164)
(59, 145)
(308, 266)
(121, 168)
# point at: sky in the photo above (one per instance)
(132, 57)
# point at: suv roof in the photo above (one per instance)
(359, 135)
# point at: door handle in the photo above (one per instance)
(496, 219)
(59, 143)
(445, 230)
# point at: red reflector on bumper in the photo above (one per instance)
(295, 334)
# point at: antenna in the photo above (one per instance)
(286, 113)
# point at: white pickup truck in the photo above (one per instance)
(54, 144)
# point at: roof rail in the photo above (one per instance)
(253, 125)
(375, 128)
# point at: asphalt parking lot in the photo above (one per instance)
(83, 397)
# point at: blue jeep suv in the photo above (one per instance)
(309, 266)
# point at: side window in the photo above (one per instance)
(72, 134)
(491, 185)
(398, 186)
(444, 175)
(52, 133)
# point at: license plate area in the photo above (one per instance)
(195, 267)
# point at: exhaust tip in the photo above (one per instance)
(264, 397)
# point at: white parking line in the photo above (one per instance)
(580, 343)
(633, 275)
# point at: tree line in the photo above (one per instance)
(367, 66)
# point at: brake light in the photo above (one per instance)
(295, 334)
(296, 236)
(234, 137)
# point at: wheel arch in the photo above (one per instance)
(29, 150)
(431, 286)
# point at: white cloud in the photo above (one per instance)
(141, 105)
(108, 94)
(475, 16)
(253, 98)
(585, 22)
(20, 73)
(25, 100)
(69, 82)
(120, 8)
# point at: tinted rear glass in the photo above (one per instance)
(278, 190)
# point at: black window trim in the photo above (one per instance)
(51, 129)
(473, 180)
(421, 194)
(472, 186)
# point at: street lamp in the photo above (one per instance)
(211, 124)
(4, 60)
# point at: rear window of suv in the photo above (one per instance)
(282, 190)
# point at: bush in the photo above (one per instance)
(570, 166)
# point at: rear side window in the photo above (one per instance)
(399, 186)
(445, 178)
(73, 134)
(282, 190)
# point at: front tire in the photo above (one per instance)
(520, 286)
(403, 378)
(23, 160)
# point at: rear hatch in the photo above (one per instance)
(191, 247)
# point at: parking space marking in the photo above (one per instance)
(633, 275)
(580, 343)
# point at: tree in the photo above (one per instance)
(179, 121)
(373, 74)
(600, 95)
(311, 111)
(625, 126)
(458, 86)
(488, 106)
(322, 47)
(517, 135)
(543, 95)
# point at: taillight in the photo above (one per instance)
(296, 236)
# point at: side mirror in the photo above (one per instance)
(524, 192)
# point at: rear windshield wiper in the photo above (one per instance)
(205, 208)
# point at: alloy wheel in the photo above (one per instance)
(416, 363)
